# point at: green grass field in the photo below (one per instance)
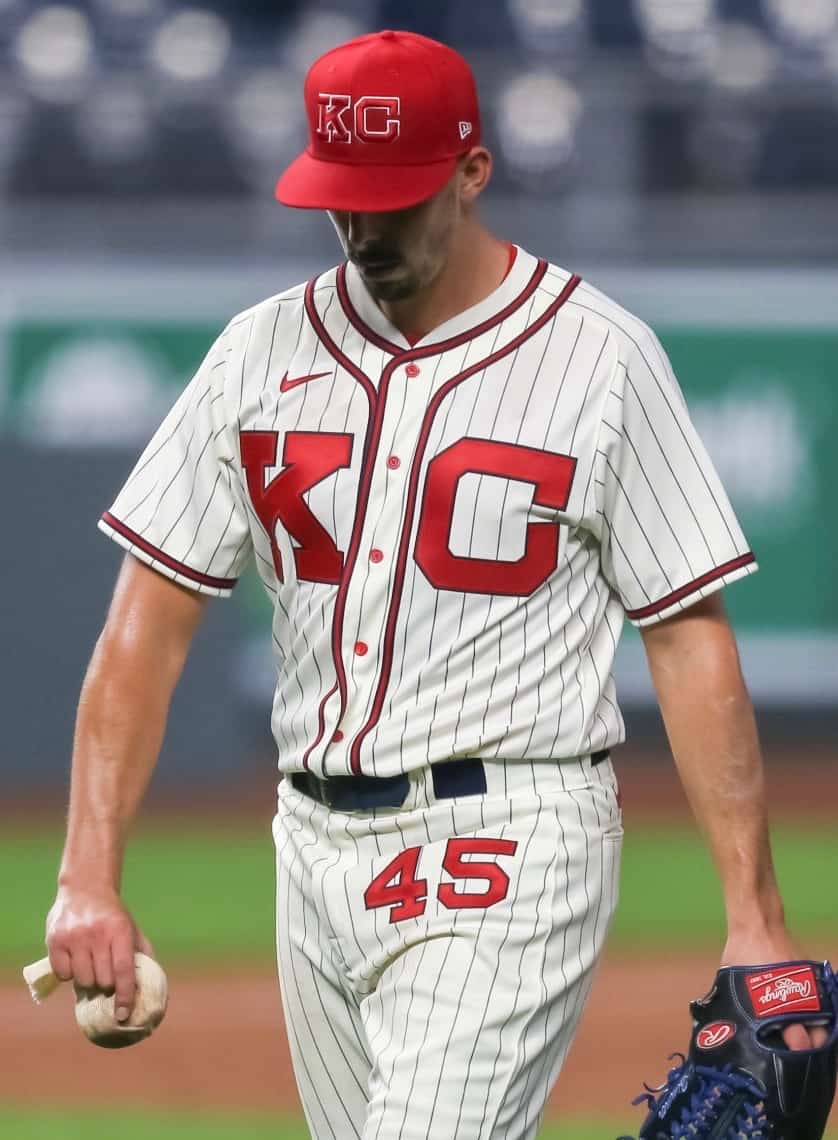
(669, 897)
(128, 1125)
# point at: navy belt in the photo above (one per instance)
(466, 777)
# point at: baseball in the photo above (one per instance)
(96, 1015)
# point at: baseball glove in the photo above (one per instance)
(739, 1081)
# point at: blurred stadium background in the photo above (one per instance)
(681, 154)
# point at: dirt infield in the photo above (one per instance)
(222, 1045)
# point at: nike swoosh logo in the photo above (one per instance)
(285, 385)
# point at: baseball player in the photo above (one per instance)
(457, 468)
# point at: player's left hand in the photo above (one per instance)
(775, 946)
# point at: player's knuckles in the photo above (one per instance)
(68, 940)
(83, 972)
(95, 929)
(84, 939)
(93, 933)
(117, 928)
(123, 936)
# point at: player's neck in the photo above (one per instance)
(477, 265)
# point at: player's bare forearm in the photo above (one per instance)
(122, 717)
(136, 664)
(710, 724)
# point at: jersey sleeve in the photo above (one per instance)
(182, 509)
(667, 531)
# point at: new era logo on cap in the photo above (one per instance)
(389, 115)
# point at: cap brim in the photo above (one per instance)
(312, 184)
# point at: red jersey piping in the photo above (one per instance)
(691, 587)
(166, 559)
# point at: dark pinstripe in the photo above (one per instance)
(428, 1010)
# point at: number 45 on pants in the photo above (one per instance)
(399, 887)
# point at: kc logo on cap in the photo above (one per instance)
(374, 118)
(390, 115)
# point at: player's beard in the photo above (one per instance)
(399, 289)
(386, 273)
(409, 276)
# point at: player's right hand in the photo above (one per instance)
(91, 938)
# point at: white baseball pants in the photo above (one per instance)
(426, 997)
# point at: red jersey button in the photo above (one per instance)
(412, 370)
(393, 462)
(337, 736)
(376, 555)
(361, 648)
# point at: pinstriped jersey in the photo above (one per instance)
(451, 532)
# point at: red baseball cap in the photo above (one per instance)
(388, 116)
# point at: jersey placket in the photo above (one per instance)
(404, 394)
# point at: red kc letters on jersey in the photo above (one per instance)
(303, 443)
(552, 476)
(310, 457)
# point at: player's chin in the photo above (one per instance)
(392, 284)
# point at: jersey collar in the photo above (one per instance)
(366, 316)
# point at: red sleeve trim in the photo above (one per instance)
(163, 558)
(691, 587)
